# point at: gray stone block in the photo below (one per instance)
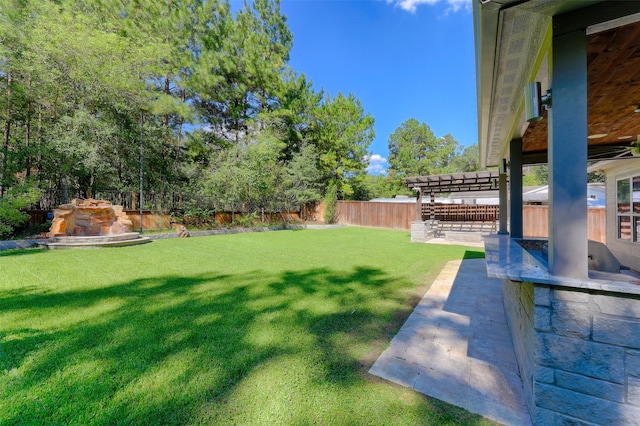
(620, 305)
(544, 417)
(542, 318)
(562, 420)
(542, 295)
(616, 331)
(547, 418)
(574, 296)
(421, 232)
(633, 390)
(632, 363)
(582, 357)
(589, 386)
(586, 408)
(545, 374)
(573, 320)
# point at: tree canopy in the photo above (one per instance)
(414, 150)
(206, 94)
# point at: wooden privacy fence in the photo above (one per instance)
(400, 216)
(536, 222)
(377, 215)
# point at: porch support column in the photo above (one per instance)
(502, 190)
(418, 205)
(515, 182)
(568, 156)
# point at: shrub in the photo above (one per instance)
(331, 203)
(14, 200)
(247, 220)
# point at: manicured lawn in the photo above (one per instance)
(261, 328)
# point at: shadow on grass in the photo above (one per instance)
(16, 252)
(473, 254)
(176, 350)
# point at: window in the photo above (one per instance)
(628, 208)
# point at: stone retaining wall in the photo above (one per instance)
(578, 352)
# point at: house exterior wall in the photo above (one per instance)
(627, 252)
(578, 352)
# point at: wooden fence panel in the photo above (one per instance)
(377, 215)
(400, 216)
(597, 224)
(535, 221)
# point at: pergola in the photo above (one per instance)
(458, 182)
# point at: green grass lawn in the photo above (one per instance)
(259, 328)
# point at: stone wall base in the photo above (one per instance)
(421, 231)
(578, 352)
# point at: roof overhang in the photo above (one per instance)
(512, 44)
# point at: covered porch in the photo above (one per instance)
(559, 84)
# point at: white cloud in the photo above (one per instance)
(377, 164)
(411, 5)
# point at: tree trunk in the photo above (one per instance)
(65, 190)
(38, 164)
(165, 123)
(183, 97)
(27, 136)
(5, 138)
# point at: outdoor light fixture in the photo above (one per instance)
(503, 166)
(534, 100)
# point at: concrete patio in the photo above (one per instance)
(456, 346)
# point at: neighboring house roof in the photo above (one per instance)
(613, 164)
(476, 194)
(427, 200)
(397, 199)
(596, 195)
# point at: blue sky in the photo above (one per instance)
(402, 58)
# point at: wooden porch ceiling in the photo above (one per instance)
(613, 95)
(456, 182)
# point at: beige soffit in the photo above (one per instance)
(512, 40)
